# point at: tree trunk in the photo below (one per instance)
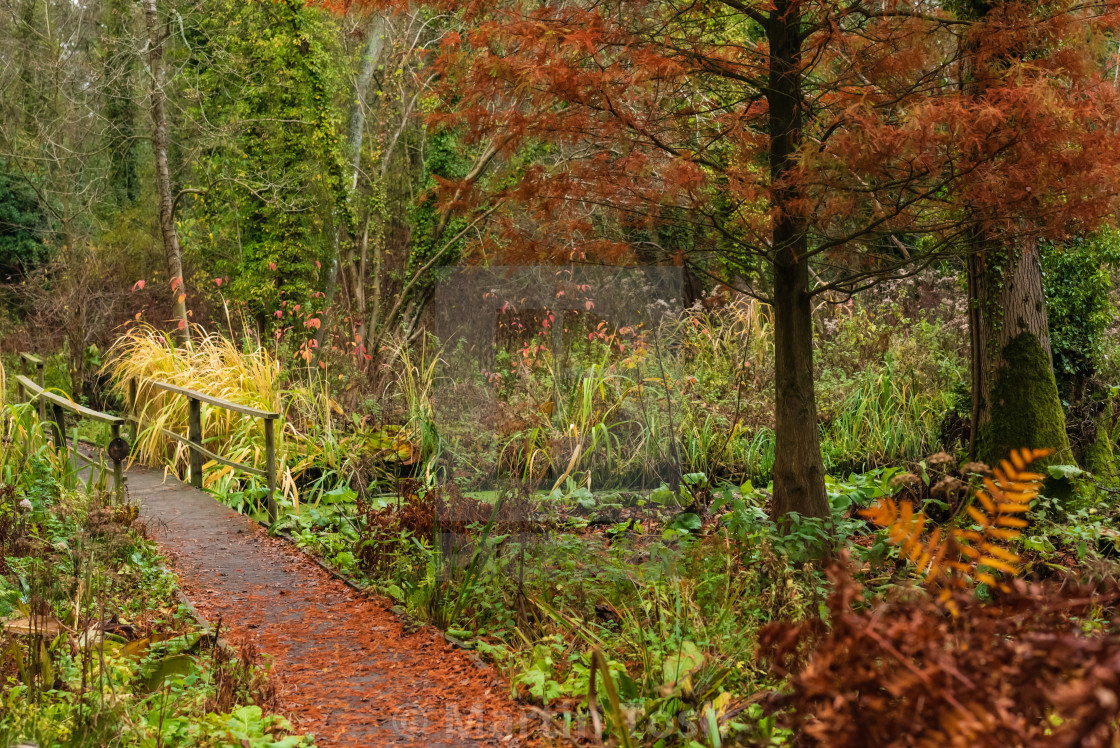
(1015, 400)
(1015, 397)
(798, 469)
(354, 137)
(163, 175)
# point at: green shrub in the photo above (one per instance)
(1080, 310)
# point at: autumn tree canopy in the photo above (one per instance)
(818, 146)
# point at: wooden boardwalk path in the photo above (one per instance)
(345, 667)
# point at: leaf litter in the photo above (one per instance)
(346, 668)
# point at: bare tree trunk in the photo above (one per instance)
(798, 468)
(356, 130)
(163, 174)
(360, 297)
(977, 370)
(375, 42)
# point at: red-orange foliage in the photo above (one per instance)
(1015, 672)
(789, 133)
(648, 103)
(949, 557)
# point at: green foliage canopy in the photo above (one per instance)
(22, 225)
(1078, 284)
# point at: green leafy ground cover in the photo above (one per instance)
(95, 647)
(673, 587)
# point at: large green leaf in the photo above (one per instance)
(679, 665)
(178, 664)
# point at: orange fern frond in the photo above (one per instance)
(976, 553)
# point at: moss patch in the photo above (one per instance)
(1100, 458)
(1025, 408)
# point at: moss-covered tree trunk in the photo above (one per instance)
(1015, 398)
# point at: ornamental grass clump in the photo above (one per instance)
(314, 456)
(213, 366)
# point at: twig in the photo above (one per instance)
(669, 406)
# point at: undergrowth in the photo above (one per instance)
(623, 409)
(95, 649)
(677, 589)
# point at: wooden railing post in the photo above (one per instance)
(130, 406)
(270, 465)
(199, 453)
(195, 435)
(19, 384)
(41, 380)
(118, 472)
(60, 404)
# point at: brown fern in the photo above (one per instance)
(954, 557)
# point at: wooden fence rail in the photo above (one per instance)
(193, 439)
(35, 390)
(118, 448)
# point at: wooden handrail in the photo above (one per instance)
(68, 404)
(193, 440)
(118, 448)
(206, 452)
(25, 359)
(211, 400)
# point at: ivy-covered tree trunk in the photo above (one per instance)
(375, 41)
(1015, 397)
